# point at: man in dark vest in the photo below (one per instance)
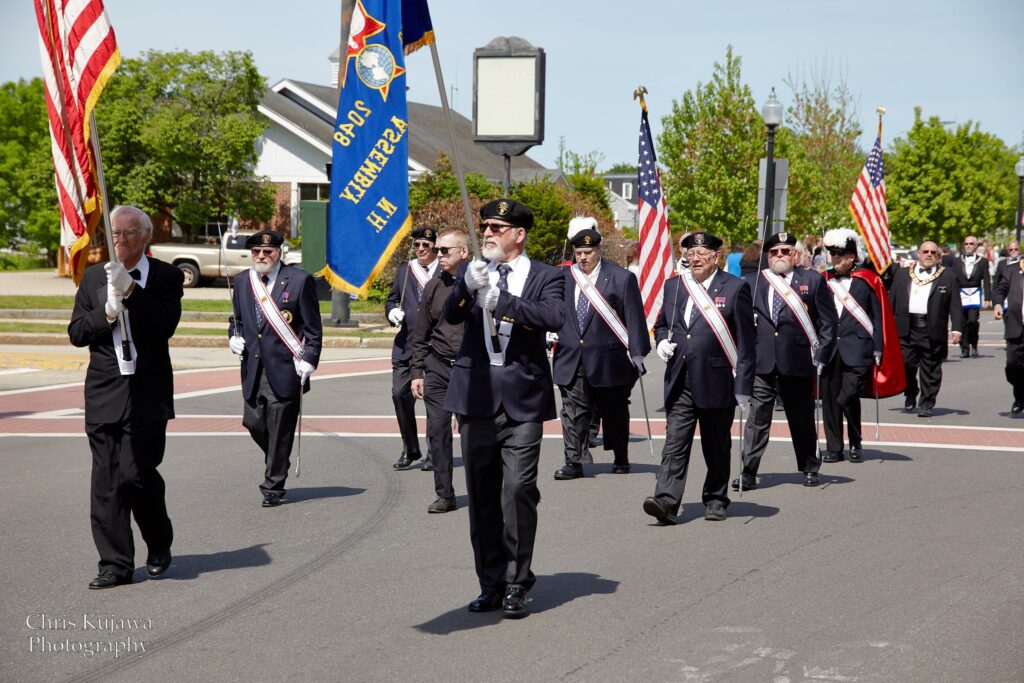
(975, 293)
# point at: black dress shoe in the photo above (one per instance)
(108, 579)
(1017, 407)
(442, 505)
(811, 479)
(832, 457)
(659, 510)
(856, 454)
(974, 352)
(514, 605)
(427, 467)
(157, 564)
(406, 461)
(924, 412)
(272, 501)
(620, 468)
(486, 602)
(749, 483)
(965, 353)
(570, 470)
(909, 405)
(715, 511)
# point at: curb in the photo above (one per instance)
(213, 341)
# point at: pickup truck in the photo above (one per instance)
(199, 261)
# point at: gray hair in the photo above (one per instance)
(142, 220)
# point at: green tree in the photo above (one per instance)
(581, 172)
(441, 184)
(28, 201)
(710, 146)
(179, 132)
(621, 167)
(944, 184)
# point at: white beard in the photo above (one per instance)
(263, 268)
(781, 267)
(495, 253)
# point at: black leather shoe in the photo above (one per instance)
(749, 483)
(811, 479)
(486, 602)
(909, 405)
(1017, 407)
(659, 510)
(514, 605)
(974, 352)
(570, 470)
(832, 457)
(715, 511)
(108, 579)
(272, 501)
(620, 468)
(924, 412)
(965, 353)
(427, 466)
(406, 461)
(856, 454)
(442, 505)
(157, 564)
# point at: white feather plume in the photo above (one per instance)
(838, 237)
(580, 223)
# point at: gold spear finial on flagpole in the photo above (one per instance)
(881, 113)
(638, 94)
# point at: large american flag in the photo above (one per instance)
(79, 53)
(868, 207)
(655, 250)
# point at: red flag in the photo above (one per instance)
(79, 53)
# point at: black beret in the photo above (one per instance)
(265, 238)
(848, 247)
(780, 238)
(429, 234)
(701, 239)
(586, 238)
(508, 210)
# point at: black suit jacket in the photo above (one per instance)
(785, 347)
(849, 339)
(978, 277)
(606, 361)
(153, 312)
(1009, 290)
(943, 304)
(522, 386)
(699, 362)
(402, 349)
(295, 296)
(1003, 269)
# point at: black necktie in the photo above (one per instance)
(777, 304)
(419, 287)
(259, 311)
(136, 275)
(582, 307)
(503, 271)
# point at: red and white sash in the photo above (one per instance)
(600, 304)
(273, 315)
(795, 305)
(852, 307)
(712, 316)
(419, 272)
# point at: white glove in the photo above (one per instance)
(237, 345)
(666, 349)
(114, 303)
(742, 400)
(638, 363)
(396, 316)
(551, 337)
(488, 298)
(878, 359)
(303, 369)
(476, 275)
(118, 276)
(819, 367)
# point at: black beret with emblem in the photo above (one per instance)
(429, 234)
(701, 239)
(508, 210)
(265, 238)
(780, 238)
(586, 238)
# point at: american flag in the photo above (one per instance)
(868, 207)
(655, 251)
(79, 53)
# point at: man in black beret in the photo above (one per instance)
(501, 390)
(401, 308)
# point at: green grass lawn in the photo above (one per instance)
(202, 305)
(28, 327)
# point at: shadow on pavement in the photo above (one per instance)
(186, 567)
(767, 481)
(314, 492)
(870, 455)
(549, 592)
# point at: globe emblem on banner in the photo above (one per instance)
(375, 66)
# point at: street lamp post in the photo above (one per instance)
(771, 112)
(1019, 170)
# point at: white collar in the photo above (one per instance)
(143, 267)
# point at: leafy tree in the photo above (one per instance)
(945, 184)
(553, 207)
(28, 200)
(179, 132)
(581, 172)
(441, 184)
(621, 167)
(710, 146)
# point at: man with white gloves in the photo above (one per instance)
(401, 309)
(705, 333)
(277, 331)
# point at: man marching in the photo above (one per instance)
(401, 307)
(600, 352)
(705, 334)
(793, 310)
(277, 331)
(975, 293)
(1010, 291)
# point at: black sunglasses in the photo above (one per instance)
(423, 245)
(256, 251)
(444, 251)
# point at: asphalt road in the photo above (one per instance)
(904, 568)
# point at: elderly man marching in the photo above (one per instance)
(705, 334)
(793, 310)
(1010, 291)
(601, 349)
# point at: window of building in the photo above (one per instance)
(627, 190)
(314, 192)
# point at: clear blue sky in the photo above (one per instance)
(957, 60)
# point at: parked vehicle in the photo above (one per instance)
(202, 261)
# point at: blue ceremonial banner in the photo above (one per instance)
(369, 208)
(417, 30)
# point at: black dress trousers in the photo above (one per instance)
(271, 423)
(405, 407)
(922, 358)
(797, 397)
(436, 376)
(840, 391)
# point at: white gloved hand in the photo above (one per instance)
(476, 275)
(878, 359)
(742, 400)
(666, 349)
(638, 363)
(303, 369)
(118, 276)
(551, 337)
(819, 367)
(237, 345)
(396, 316)
(488, 298)
(114, 303)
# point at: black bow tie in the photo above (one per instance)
(927, 271)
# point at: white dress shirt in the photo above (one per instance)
(919, 293)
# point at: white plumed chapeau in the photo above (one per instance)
(580, 223)
(839, 237)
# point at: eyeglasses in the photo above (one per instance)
(969, 244)
(269, 251)
(422, 245)
(927, 251)
(496, 228)
(780, 251)
(700, 254)
(127, 234)
(444, 251)
(1013, 249)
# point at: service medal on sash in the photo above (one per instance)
(287, 315)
